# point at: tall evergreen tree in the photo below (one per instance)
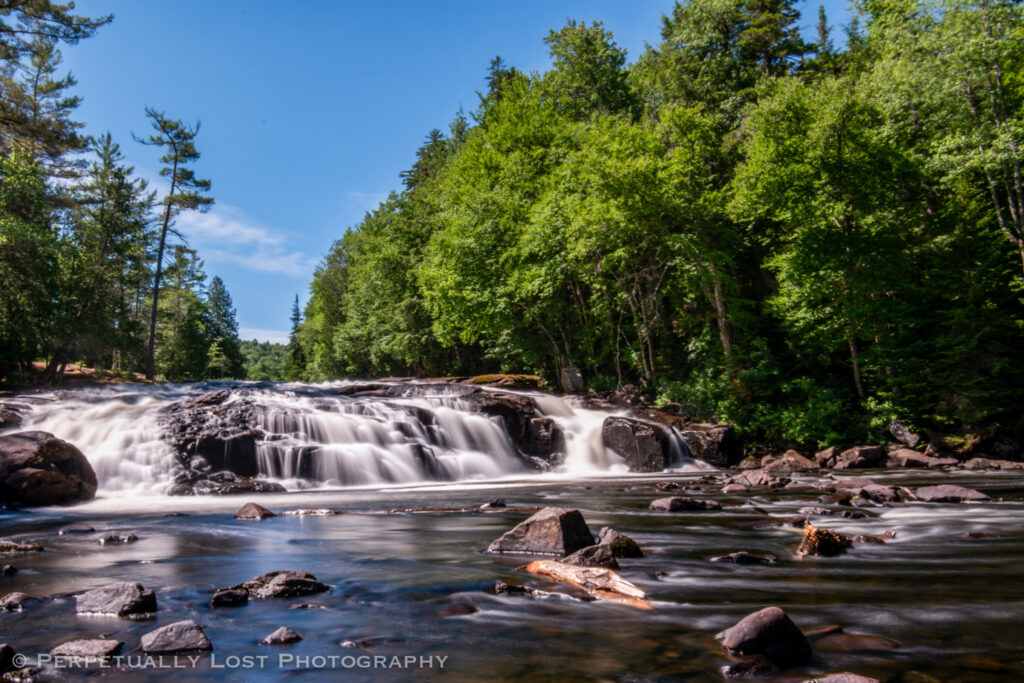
(296, 354)
(223, 328)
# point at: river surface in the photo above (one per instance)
(409, 596)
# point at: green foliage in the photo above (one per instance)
(265, 361)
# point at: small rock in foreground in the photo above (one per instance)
(281, 636)
(768, 632)
(181, 636)
(621, 544)
(252, 512)
(88, 647)
(119, 599)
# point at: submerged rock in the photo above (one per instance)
(743, 557)
(621, 544)
(593, 556)
(71, 529)
(645, 446)
(88, 647)
(949, 493)
(115, 538)
(124, 599)
(680, 504)
(37, 468)
(843, 677)
(229, 597)
(823, 542)
(281, 636)
(16, 602)
(7, 547)
(768, 632)
(551, 531)
(181, 636)
(252, 512)
(282, 584)
(9, 570)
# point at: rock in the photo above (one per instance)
(827, 456)
(282, 584)
(621, 544)
(823, 542)
(755, 478)
(515, 411)
(240, 486)
(543, 439)
(115, 538)
(8, 547)
(120, 599)
(992, 464)
(905, 457)
(502, 588)
(88, 647)
(680, 504)
(879, 493)
(9, 417)
(844, 677)
(181, 636)
(551, 531)
(570, 378)
(645, 446)
(949, 493)
(743, 557)
(768, 632)
(494, 504)
(229, 597)
(860, 457)
(903, 434)
(281, 636)
(6, 658)
(734, 488)
(9, 570)
(16, 602)
(37, 468)
(213, 398)
(75, 529)
(790, 461)
(252, 512)
(757, 666)
(751, 462)
(593, 556)
(715, 444)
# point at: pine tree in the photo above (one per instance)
(224, 329)
(296, 354)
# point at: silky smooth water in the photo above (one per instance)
(413, 584)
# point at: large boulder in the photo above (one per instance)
(860, 457)
(181, 636)
(551, 531)
(901, 456)
(788, 462)
(768, 632)
(127, 599)
(715, 444)
(645, 446)
(37, 468)
(282, 584)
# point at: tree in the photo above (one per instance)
(24, 21)
(589, 74)
(296, 355)
(223, 328)
(184, 194)
(183, 352)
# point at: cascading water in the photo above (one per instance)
(327, 435)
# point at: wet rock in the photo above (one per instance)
(570, 378)
(980, 463)
(823, 542)
(621, 544)
(903, 434)
(879, 493)
(860, 457)
(9, 570)
(116, 538)
(750, 462)
(9, 417)
(121, 599)
(645, 446)
(790, 461)
(826, 457)
(666, 486)
(716, 444)
(8, 547)
(949, 493)
(757, 666)
(240, 486)
(252, 512)
(593, 556)
(743, 557)
(282, 636)
(734, 488)
(502, 588)
(843, 677)
(282, 584)
(768, 632)
(37, 468)
(979, 534)
(72, 529)
(6, 658)
(515, 411)
(230, 597)
(905, 457)
(213, 398)
(181, 636)
(88, 647)
(543, 438)
(494, 504)
(680, 504)
(756, 478)
(551, 531)
(16, 602)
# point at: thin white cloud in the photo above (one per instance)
(366, 201)
(272, 336)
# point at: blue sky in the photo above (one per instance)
(311, 109)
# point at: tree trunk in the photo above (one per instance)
(151, 343)
(855, 360)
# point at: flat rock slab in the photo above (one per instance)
(282, 584)
(12, 547)
(252, 512)
(551, 531)
(181, 636)
(88, 647)
(680, 504)
(949, 493)
(281, 636)
(768, 632)
(119, 599)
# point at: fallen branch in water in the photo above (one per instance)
(603, 584)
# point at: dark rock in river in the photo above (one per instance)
(900, 456)
(7, 547)
(252, 512)
(768, 632)
(621, 544)
(75, 529)
(551, 531)
(980, 463)
(282, 584)
(743, 557)
(593, 556)
(715, 444)
(281, 636)
(230, 597)
(16, 602)
(9, 416)
(860, 457)
(680, 504)
(6, 658)
(949, 493)
(823, 542)
(241, 486)
(543, 439)
(790, 461)
(757, 666)
(37, 468)
(9, 570)
(115, 538)
(843, 677)
(826, 457)
(181, 636)
(88, 647)
(120, 599)
(645, 446)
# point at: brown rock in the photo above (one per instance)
(252, 512)
(949, 493)
(827, 456)
(282, 584)
(790, 461)
(680, 504)
(716, 444)
(37, 468)
(860, 457)
(755, 478)
(823, 542)
(645, 446)
(621, 544)
(551, 531)
(768, 632)
(593, 556)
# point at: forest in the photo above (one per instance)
(91, 268)
(807, 239)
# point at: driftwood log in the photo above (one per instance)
(603, 584)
